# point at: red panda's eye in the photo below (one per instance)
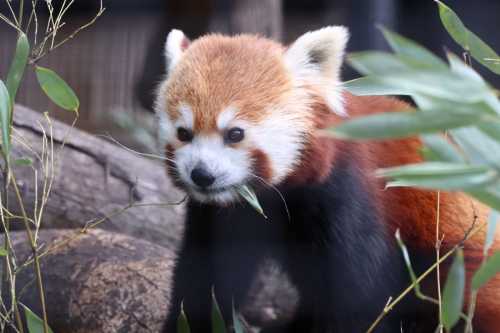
(184, 135)
(234, 135)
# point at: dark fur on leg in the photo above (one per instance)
(335, 248)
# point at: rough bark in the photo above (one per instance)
(95, 178)
(103, 281)
(106, 282)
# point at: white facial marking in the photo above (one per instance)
(280, 138)
(167, 130)
(186, 118)
(228, 165)
(225, 117)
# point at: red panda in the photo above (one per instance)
(246, 110)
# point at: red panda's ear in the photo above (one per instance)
(318, 52)
(175, 46)
(316, 58)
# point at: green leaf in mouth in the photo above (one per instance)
(249, 195)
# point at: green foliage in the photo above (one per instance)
(23, 161)
(453, 292)
(5, 105)
(441, 149)
(490, 234)
(450, 98)
(182, 322)
(412, 51)
(409, 266)
(249, 195)
(446, 176)
(18, 66)
(470, 42)
(35, 323)
(403, 124)
(29, 51)
(458, 121)
(57, 89)
(218, 324)
(488, 269)
(238, 327)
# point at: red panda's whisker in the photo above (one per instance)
(154, 156)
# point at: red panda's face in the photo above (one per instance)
(235, 111)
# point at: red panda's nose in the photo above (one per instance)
(202, 177)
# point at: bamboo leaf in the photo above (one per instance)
(57, 89)
(451, 85)
(249, 195)
(402, 124)
(371, 85)
(35, 323)
(3, 252)
(17, 66)
(408, 48)
(5, 105)
(406, 257)
(182, 322)
(479, 148)
(487, 271)
(238, 327)
(218, 324)
(469, 41)
(442, 148)
(453, 292)
(439, 175)
(23, 161)
(487, 196)
(375, 62)
(490, 234)
(418, 81)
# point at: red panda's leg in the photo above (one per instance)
(192, 276)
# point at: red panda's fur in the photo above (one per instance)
(412, 211)
(219, 71)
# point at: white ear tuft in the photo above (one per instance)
(318, 52)
(175, 46)
(315, 58)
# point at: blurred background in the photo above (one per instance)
(115, 64)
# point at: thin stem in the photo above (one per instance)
(12, 12)
(10, 252)
(94, 223)
(43, 52)
(392, 304)
(34, 251)
(9, 22)
(21, 14)
(438, 270)
(470, 312)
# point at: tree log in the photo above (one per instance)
(106, 282)
(94, 178)
(103, 281)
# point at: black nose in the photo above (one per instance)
(202, 177)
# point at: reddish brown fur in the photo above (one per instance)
(216, 72)
(247, 72)
(410, 210)
(261, 165)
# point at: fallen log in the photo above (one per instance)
(94, 178)
(107, 282)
